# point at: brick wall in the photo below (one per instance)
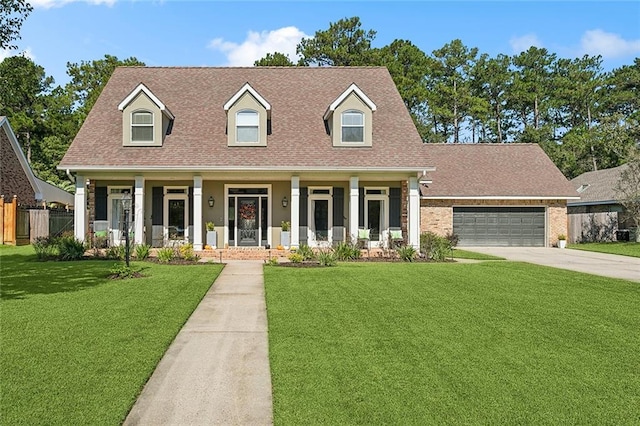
(13, 180)
(437, 215)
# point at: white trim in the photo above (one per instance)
(142, 88)
(269, 210)
(80, 210)
(497, 197)
(289, 168)
(352, 89)
(197, 213)
(114, 234)
(414, 213)
(363, 126)
(153, 127)
(13, 141)
(257, 126)
(247, 88)
(138, 215)
(354, 194)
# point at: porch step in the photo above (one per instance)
(243, 253)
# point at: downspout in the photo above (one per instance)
(70, 176)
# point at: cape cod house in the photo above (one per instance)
(330, 150)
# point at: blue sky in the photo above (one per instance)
(220, 33)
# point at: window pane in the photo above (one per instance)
(247, 134)
(142, 118)
(247, 118)
(142, 133)
(352, 134)
(352, 119)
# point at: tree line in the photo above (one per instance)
(584, 118)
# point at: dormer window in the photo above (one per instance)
(247, 126)
(142, 126)
(353, 126)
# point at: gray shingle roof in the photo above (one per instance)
(493, 170)
(599, 186)
(299, 97)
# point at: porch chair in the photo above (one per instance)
(364, 238)
(395, 237)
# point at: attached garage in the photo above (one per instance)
(500, 226)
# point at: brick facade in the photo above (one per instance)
(437, 215)
(13, 180)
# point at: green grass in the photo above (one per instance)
(464, 254)
(485, 343)
(77, 347)
(622, 248)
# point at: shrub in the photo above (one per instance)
(122, 271)
(165, 255)
(435, 247)
(142, 251)
(70, 248)
(45, 247)
(115, 253)
(347, 251)
(326, 258)
(273, 261)
(406, 253)
(185, 251)
(306, 252)
(296, 257)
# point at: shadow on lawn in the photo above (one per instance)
(23, 275)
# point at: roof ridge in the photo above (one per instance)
(250, 67)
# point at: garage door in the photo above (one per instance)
(499, 226)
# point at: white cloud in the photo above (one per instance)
(5, 53)
(258, 44)
(609, 45)
(47, 4)
(523, 43)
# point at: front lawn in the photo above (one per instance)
(77, 348)
(622, 248)
(486, 343)
(465, 254)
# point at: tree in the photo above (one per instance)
(628, 191)
(408, 66)
(12, 15)
(343, 44)
(275, 59)
(491, 78)
(451, 97)
(89, 77)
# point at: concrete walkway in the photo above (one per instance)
(216, 372)
(608, 265)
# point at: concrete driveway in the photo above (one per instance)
(608, 265)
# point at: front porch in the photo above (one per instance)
(321, 211)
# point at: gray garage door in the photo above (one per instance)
(499, 226)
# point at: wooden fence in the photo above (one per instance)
(591, 227)
(8, 212)
(22, 226)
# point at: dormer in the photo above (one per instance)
(145, 119)
(248, 118)
(349, 119)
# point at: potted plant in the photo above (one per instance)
(212, 235)
(562, 241)
(285, 234)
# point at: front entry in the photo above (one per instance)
(248, 217)
(320, 217)
(176, 215)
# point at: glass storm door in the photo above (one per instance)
(248, 223)
(177, 220)
(375, 217)
(320, 222)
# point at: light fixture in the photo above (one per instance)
(211, 201)
(285, 202)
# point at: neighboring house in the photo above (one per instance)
(598, 214)
(330, 150)
(495, 195)
(17, 178)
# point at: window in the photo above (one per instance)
(142, 126)
(352, 126)
(247, 126)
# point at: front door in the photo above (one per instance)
(376, 215)
(320, 217)
(248, 224)
(176, 215)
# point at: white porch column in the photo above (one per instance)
(197, 212)
(295, 211)
(414, 213)
(354, 206)
(138, 214)
(80, 209)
